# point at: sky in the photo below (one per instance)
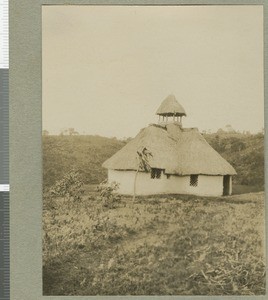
(106, 69)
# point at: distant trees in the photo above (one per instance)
(45, 132)
(126, 139)
(245, 152)
(69, 131)
(227, 129)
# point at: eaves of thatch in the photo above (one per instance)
(175, 150)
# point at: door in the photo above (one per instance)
(226, 185)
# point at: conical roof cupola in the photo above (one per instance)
(170, 107)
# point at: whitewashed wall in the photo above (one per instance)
(207, 185)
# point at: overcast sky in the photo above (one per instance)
(106, 69)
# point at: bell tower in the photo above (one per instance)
(170, 111)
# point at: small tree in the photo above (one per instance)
(71, 131)
(70, 186)
(108, 193)
(143, 157)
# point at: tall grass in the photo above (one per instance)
(156, 246)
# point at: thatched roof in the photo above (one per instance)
(170, 106)
(177, 151)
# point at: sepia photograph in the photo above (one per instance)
(153, 150)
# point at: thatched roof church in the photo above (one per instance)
(167, 158)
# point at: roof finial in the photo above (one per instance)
(170, 107)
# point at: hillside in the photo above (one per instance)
(87, 153)
(245, 152)
(84, 153)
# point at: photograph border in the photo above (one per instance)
(26, 143)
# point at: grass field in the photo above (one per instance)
(161, 245)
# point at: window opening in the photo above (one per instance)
(155, 173)
(194, 180)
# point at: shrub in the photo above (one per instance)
(70, 187)
(108, 195)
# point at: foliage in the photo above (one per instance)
(69, 131)
(143, 156)
(45, 132)
(183, 245)
(70, 187)
(245, 152)
(108, 194)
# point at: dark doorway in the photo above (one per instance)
(226, 185)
